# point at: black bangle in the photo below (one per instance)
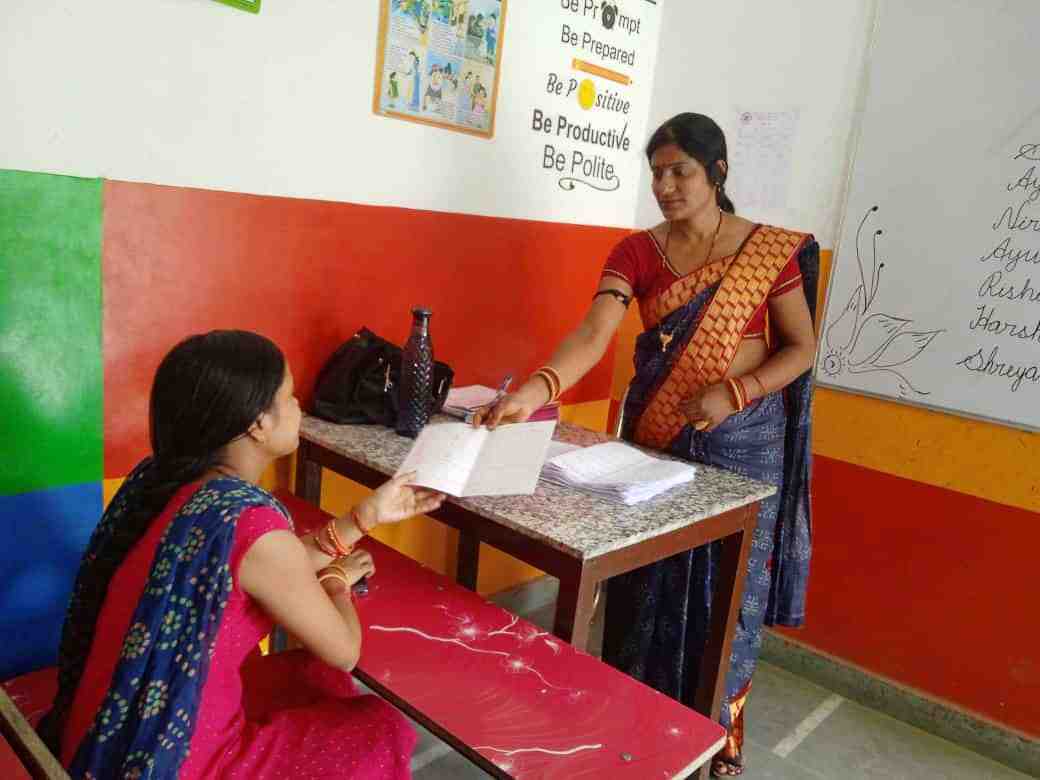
(625, 299)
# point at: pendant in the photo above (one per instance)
(666, 339)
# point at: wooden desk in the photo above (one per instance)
(573, 536)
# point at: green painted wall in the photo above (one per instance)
(50, 331)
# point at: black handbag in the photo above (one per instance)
(359, 383)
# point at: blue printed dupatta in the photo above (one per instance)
(147, 719)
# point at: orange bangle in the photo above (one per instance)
(333, 534)
(557, 380)
(734, 392)
(548, 383)
(743, 391)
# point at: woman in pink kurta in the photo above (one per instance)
(161, 675)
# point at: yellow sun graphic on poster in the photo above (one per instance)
(587, 94)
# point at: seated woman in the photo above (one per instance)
(190, 566)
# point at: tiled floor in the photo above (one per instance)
(796, 731)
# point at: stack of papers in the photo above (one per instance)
(615, 471)
(462, 400)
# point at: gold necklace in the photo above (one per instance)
(667, 336)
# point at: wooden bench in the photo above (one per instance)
(515, 700)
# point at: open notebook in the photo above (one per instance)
(461, 460)
(614, 471)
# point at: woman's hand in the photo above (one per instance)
(709, 407)
(514, 407)
(354, 566)
(396, 500)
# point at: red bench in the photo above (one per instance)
(515, 700)
(23, 701)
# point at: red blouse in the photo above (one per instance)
(640, 261)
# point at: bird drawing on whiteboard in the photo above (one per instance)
(861, 341)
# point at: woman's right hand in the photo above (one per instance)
(355, 566)
(514, 407)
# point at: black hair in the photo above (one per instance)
(703, 140)
(207, 392)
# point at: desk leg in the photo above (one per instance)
(308, 476)
(725, 610)
(468, 560)
(575, 608)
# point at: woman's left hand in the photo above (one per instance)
(709, 407)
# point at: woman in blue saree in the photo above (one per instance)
(721, 378)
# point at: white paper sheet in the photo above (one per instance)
(760, 156)
(461, 460)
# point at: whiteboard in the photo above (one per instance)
(934, 297)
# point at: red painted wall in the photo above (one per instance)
(310, 273)
(895, 590)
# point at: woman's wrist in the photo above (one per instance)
(363, 518)
(536, 391)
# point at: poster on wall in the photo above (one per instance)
(438, 62)
(594, 73)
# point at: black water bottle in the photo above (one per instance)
(415, 397)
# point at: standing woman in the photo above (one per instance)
(721, 378)
(191, 565)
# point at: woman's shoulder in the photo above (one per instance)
(779, 231)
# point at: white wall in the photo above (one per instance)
(193, 93)
(760, 55)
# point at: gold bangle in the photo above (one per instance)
(336, 574)
(745, 399)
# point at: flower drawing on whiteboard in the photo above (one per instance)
(865, 341)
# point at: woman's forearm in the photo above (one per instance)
(579, 351)
(779, 370)
(343, 601)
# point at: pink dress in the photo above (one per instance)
(276, 716)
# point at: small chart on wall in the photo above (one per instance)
(934, 298)
(438, 62)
